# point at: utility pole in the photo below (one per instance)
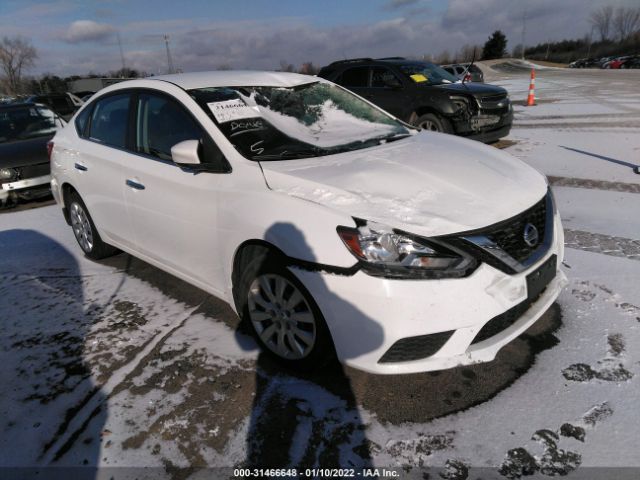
(121, 53)
(169, 61)
(546, 57)
(524, 29)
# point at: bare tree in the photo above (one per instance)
(626, 21)
(286, 66)
(16, 54)
(468, 52)
(443, 58)
(308, 68)
(601, 21)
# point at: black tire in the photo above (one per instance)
(268, 268)
(433, 123)
(85, 230)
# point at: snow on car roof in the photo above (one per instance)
(236, 78)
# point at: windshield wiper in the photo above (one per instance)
(289, 154)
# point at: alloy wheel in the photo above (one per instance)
(81, 227)
(429, 125)
(281, 316)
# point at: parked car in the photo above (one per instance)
(61, 103)
(465, 71)
(425, 95)
(615, 63)
(632, 63)
(25, 130)
(327, 224)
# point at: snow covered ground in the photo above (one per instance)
(116, 364)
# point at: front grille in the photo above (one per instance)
(492, 101)
(415, 348)
(32, 171)
(510, 237)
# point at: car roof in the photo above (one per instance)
(234, 78)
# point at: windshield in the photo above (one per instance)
(273, 123)
(427, 73)
(22, 123)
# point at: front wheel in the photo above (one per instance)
(433, 123)
(284, 317)
(85, 230)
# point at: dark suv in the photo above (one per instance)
(60, 103)
(425, 95)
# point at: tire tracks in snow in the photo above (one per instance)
(91, 405)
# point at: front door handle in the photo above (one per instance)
(134, 184)
(79, 166)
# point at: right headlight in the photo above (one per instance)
(7, 173)
(384, 251)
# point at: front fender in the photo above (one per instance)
(301, 229)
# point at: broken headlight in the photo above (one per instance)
(384, 251)
(461, 104)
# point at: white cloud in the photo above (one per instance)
(87, 31)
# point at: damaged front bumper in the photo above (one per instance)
(485, 125)
(369, 316)
(26, 189)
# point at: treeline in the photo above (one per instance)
(567, 51)
(618, 30)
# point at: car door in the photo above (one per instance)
(388, 92)
(173, 209)
(98, 165)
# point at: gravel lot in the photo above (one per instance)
(117, 364)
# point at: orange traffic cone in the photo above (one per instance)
(531, 99)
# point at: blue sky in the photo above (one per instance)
(75, 37)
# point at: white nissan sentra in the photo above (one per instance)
(330, 227)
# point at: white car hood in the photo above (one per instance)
(428, 184)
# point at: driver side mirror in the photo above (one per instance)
(186, 153)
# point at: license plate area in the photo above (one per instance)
(538, 280)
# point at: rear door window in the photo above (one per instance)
(109, 120)
(381, 77)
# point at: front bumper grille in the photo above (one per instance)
(31, 171)
(415, 348)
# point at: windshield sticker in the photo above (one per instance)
(229, 110)
(418, 77)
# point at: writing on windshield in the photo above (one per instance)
(271, 123)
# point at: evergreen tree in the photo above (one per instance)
(495, 47)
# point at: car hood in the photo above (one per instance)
(473, 88)
(428, 184)
(24, 152)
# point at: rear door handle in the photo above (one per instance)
(79, 166)
(134, 184)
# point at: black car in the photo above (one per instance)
(60, 103)
(25, 130)
(425, 95)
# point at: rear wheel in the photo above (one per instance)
(284, 317)
(85, 231)
(433, 123)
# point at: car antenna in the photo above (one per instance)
(473, 59)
